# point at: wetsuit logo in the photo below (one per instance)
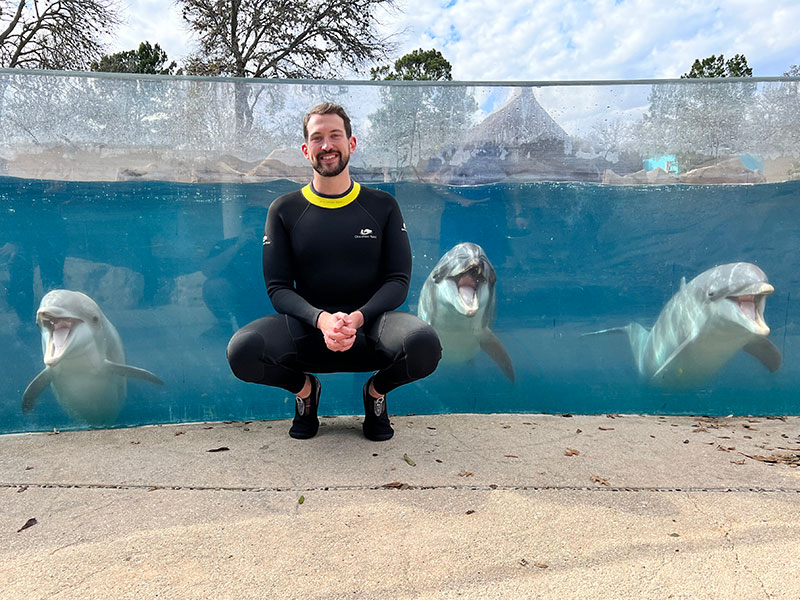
(266, 241)
(366, 234)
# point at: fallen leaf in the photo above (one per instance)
(541, 566)
(600, 480)
(527, 423)
(674, 535)
(437, 460)
(181, 432)
(567, 415)
(432, 428)
(571, 452)
(136, 442)
(470, 511)
(28, 523)
(783, 459)
(510, 456)
(222, 449)
(738, 462)
(506, 426)
(579, 431)
(606, 428)
(29, 468)
(466, 474)
(397, 485)
(409, 460)
(22, 489)
(301, 499)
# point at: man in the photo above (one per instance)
(337, 262)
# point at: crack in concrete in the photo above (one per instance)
(390, 487)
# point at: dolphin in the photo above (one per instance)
(458, 301)
(703, 325)
(84, 359)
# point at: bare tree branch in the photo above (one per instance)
(54, 34)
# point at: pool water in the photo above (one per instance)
(177, 267)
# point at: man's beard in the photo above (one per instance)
(330, 171)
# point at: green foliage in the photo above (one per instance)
(717, 66)
(794, 71)
(419, 65)
(147, 59)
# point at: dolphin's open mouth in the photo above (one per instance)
(752, 306)
(467, 283)
(60, 330)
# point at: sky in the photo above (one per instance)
(550, 40)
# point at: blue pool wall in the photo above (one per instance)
(573, 254)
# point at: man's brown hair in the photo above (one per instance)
(328, 108)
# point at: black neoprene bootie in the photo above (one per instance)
(306, 424)
(376, 419)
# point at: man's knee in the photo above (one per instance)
(245, 351)
(423, 351)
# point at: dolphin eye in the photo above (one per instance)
(96, 319)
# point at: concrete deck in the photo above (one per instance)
(454, 506)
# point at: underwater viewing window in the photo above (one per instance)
(638, 242)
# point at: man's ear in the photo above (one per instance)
(352, 144)
(304, 148)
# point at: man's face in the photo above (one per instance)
(328, 147)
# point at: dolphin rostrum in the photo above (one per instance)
(458, 301)
(703, 325)
(84, 359)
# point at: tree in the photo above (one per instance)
(147, 59)
(717, 66)
(419, 65)
(290, 39)
(794, 71)
(417, 121)
(42, 34)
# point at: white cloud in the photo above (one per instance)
(154, 21)
(552, 40)
(599, 39)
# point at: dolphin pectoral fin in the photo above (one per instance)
(766, 352)
(497, 352)
(132, 372)
(35, 387)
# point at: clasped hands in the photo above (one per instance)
(339, 329)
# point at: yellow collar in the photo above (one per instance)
(326, 202)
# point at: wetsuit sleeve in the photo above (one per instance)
(279, 270)
(396, 268)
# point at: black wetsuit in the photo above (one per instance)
(343, 253)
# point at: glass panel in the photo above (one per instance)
(591, 201)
